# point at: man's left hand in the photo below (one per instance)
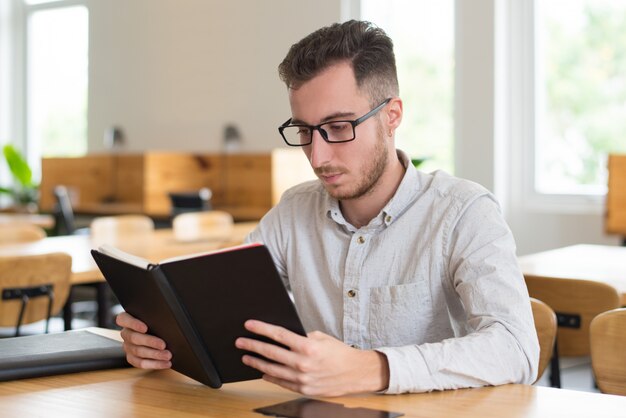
(317, 365)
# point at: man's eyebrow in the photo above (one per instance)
(334, 116)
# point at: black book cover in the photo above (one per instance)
(198, 305)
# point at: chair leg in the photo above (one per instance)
(67, 311)
(20, 318)
(555, 369)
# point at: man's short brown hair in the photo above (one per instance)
(367, 47)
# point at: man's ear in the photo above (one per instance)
(393, 111)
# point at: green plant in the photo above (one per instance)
(24, 190)
(417, 161)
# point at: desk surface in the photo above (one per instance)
(601, 263)
(157, 246)
(138, 393)
(42, 220)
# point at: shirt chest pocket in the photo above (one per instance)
(399, 315)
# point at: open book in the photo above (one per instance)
(199, 303)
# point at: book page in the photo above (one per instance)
(221, 250)
(111, 251)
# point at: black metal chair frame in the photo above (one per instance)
(25, 294)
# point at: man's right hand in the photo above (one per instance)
(142, 350)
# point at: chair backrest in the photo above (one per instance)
(615, 213)
(608, 351)
(107, 229)
(20, 232)
(211, 225)
(33, 272)
(576, 303)
(63, 211)
(545, 324)
(196, 201)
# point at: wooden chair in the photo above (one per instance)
(545, 324)
(107, 229)
(575, 302)
(210, 225)
(608, 351)
(20, 232)
(615, 213)
(34, 287)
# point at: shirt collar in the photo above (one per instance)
(404, 195)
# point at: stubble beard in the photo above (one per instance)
(372, 172)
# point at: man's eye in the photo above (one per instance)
(303, 131)
(337, 127)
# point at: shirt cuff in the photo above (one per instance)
(408, 371)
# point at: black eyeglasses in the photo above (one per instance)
(336, 131)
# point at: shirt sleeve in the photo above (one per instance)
(500, 343)
(269, 233)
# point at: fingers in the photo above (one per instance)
(142, 350)
(279, 334)
(271, 369)
(126, 320)
(144, 363)
(268, 350)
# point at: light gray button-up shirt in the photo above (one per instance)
(432, 281)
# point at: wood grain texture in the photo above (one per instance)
(30, 271)
(130, 393)
(156, 246)
(20, 232)
(583, 298)
(246, 185)
(545, 324)
(599, 263)
(615, 215)
(608, 351)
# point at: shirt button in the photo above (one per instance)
(360, 239)
(351, 293)
(354, 346)
(388, 218)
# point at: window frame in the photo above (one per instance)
(27, 10)
(525, 113)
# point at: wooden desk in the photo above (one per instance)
(42, 220)
(602, 263)
(157, 246)
(127, 393)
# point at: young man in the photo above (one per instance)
(407, 281)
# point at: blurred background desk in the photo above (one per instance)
(245, 185)
(600, 263)
(42, 220)
(156, 246)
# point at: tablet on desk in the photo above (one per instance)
(198, 305)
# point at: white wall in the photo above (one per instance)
(173, 73)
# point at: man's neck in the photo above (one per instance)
(359, 212)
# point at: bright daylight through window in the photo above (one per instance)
(423, 35)
(57, 61)
(581, 93)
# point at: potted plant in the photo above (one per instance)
(24, 191)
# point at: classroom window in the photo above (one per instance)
(423, 35)
(580, 87)
(56, 84)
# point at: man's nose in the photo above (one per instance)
(320, 151)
